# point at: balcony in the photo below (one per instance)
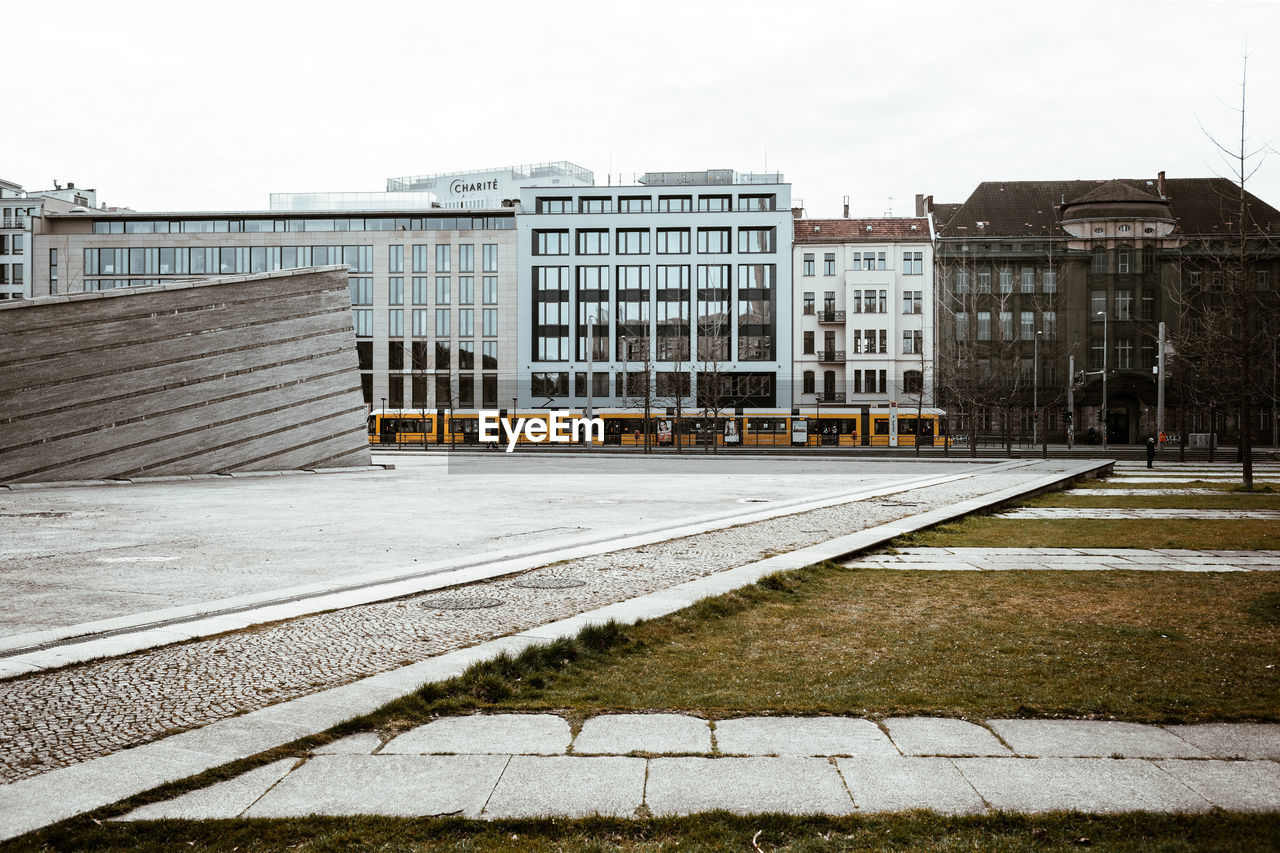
(831, 356)
(830, 316)
(835, 397)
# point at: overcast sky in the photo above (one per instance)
(213, 106)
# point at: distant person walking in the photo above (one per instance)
(1151, 451)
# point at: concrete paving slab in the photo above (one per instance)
(1250, 786)
(942, 736)
(1091, 738)
(1077, 784)
(898, 784)
(510, 734)
(1232, 740)
(565, 786)
(398, 785)
(679, 786)
(618, 734)
(239, 737)
(362, 743)
(223, 800)
(802, 736)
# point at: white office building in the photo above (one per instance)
(683, 283)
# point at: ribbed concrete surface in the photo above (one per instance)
(236, 373)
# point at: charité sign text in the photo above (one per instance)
(460, 187)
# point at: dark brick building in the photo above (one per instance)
(1062, 275)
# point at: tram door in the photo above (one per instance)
(924, 432)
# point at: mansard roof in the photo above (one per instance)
(902, 229)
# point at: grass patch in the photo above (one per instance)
(709, 833)
(1266, 608)
(981, 531)
(1222, 500)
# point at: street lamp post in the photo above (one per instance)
(591, 319)
(383, 412)
(1103, 315)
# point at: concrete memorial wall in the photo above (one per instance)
(219, 375)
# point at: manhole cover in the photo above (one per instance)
(549, 583)
(462, 602)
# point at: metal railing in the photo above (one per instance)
(830, 356)
(830, 316)
(837, 397)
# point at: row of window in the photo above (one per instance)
(1123, 356)
(411, 356)
(1123, 304)
(1026, 325)
(912, 262)
(421, 290)
(10, 273)
(1026, 280)
(238, 226)
(454, 390)
(866, 302)
(13, 242)
(670, 241)
(421, 322)
(711, 203)
(1217, 280)
(222, 260)
(864, 382)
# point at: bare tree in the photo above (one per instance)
(1227, 307)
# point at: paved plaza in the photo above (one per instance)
(518, 765)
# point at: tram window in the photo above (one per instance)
(906, 426)
(882, 426)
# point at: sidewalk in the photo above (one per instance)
(514, 765)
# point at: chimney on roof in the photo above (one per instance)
(70, 185)
(846, 207)
(1160, 183)
(919, 204)
(797, 212)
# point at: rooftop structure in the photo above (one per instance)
(709, 177)
(306, 202)
(491, 188)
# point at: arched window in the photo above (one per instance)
(1099, 261)
(808, 382)
(1124, 260)
(828, 383)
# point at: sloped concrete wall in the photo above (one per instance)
(236, 373)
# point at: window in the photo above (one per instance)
(1006, 280)
(675, 203)
(363, 322)
(984, 280)
(673, 241)
(884, 341)
(808, 382)
(361, 290)
(912, 301)
(1148, 305)
(1028, 280)
(962, 281)
(808, 302)
(829, 303)
(633, 241)
(962, 325)
(595, 205)
(553, 205)
(855, 301)
(1099, 266)
(913, 382)
(912, 342)
(442, 322)
(1097, 350)
(1149, 258)
(1124, 260)
(489, 285)
(551, 313)
(467, 257)
(466, 322)
(984, 325)
(1124, 304)
(808, 264)
(1124, 353)
(551, 242)
(808, 343)
(442, 290)
(395, 258)
(490, 257)
(1006, 325)
(1050, 281)
(442, 259)
(1262, 280)
(884, 301)
(489, 356)
(490, 318)
(549, 384)
(395, 323)
(421, 254)
(420, 322)
(593, 242)
(757, 202)
(757, 240)
(635, 204)
(713, 240)
(1097, 303)
(713, 203)
(913, 263)
(829, 263)
(1027, 325)
(421, 291)
(466, 289)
